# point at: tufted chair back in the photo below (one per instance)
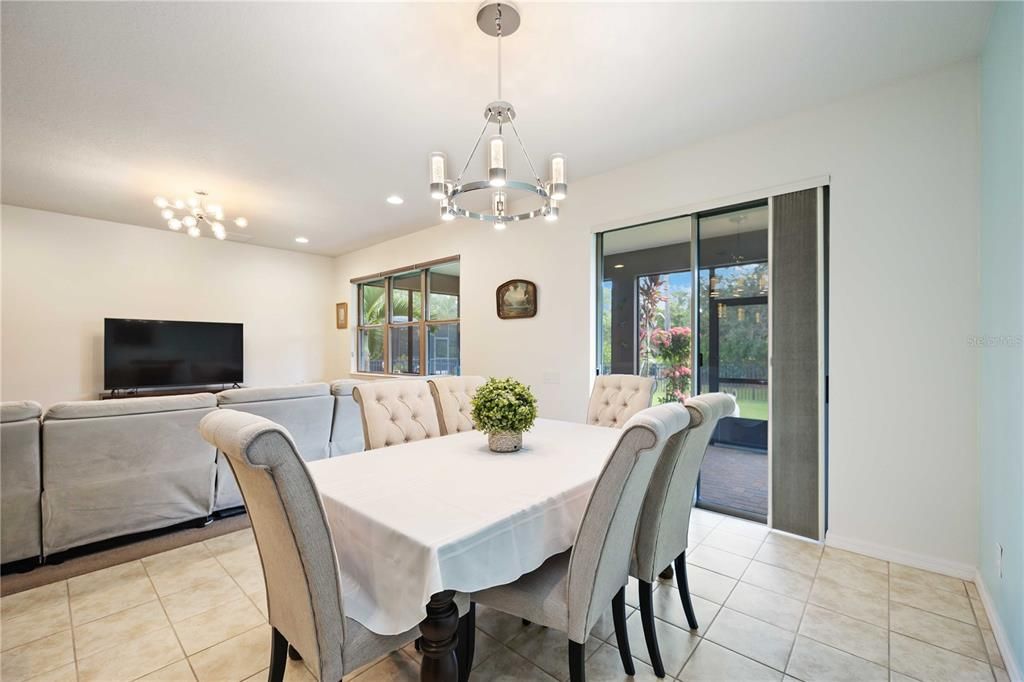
(396, 412)
(617, 397)
(453, 399)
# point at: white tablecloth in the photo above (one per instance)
(447, 514)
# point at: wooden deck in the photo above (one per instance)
(735, 479)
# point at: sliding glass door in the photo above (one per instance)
(733, 357)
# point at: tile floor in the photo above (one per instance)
(770, 607)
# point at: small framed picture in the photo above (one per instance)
(517, 299)
(341, 315)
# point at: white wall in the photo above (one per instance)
(61, 275)
(903, 162)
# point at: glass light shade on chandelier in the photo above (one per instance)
(497, 20)
(195, 212)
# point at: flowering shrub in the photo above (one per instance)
(504, 405)
(674, 347)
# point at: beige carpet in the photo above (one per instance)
(45, 574)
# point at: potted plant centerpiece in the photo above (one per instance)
(503, 409)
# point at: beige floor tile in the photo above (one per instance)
(176, 558)
(548, 649)
(947, 633)
(935, 580)
(972, 590)
(718, 560)
(703, 517)
(231, 541)
(251, 580)
(486, 646)
(778, 580)
(720, 538)
(38, 657)
(858, 560)
(931, 599)
(504, 666)
(395, 667)
(202, 597)
(854, 577)
(235, 659)
(146, 654)
(1001, 675)
(926, 662)
(813, 661)
(102, 593)
(171, 578)
(749, 529)
(980, 615)
(849, 634)
(294, 671)
(897, 677)
(992, 648)
(65, 673)
(708, 584)
(697, 533)
(29, 601)
(767, 606)
(179, 671)
(259, 600)
(497, 624)
(675, 643)
(795, 544)
(633, 592)
(836, 597)
(669, 607)
(49, 617)
(241, 559)
(217, 625)
(118, 628)
(713, 663)
(752, 638)
(604, 665)
(793, 555)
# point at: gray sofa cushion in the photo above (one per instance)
(20, 485)
(19, 410)
(89, 409)
(235, 396)
(134, 469)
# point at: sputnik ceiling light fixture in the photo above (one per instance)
(195, 211)
(497, 20)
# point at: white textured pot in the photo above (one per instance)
(504, 441)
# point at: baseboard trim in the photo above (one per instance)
(902, 556)
(1002, 639)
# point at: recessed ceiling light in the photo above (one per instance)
(302, 240)
(395, 200)
(618, 265)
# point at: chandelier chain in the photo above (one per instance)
(497, 25)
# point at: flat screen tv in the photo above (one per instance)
(163, 353)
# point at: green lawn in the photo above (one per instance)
(753, 409)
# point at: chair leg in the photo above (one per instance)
(293, 653)
(647, 619)
(278, 656)
(684, 591)
(577, 671)
(471, 640)
(621, 634)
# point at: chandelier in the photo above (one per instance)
(497, 20)
(195, 211)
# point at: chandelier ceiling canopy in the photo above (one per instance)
(195, 211)
(497, 20)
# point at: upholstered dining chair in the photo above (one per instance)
(617, 397)
(453, 401)
(571, 590)
(300, 564)
(661, 537)
(396, 412)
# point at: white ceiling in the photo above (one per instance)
(305, 117)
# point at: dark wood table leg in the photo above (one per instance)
(439, 632)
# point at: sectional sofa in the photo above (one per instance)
(87, 471)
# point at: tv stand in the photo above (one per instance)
(119, 393)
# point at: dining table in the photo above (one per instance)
(415, 523)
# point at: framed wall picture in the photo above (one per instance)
(341, 315)
(516, 299)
